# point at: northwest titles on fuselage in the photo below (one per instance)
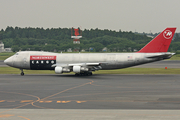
(38, 62)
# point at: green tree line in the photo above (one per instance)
(59, 39)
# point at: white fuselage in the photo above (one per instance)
(107, 60)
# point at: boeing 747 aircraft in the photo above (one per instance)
(86, 63)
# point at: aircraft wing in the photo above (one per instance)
(76, 64)
(84, 66)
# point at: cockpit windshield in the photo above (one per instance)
(16, 54)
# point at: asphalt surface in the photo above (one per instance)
(39, 97)
(2, 64)
(90, 92)
(90, 97)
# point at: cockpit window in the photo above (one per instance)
(16, 54)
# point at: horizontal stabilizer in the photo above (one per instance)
(161, 55)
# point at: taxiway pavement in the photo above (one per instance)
(2, 64)
(90, 92)
(98, 97)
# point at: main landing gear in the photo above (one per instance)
(22, 73)
(84, 74)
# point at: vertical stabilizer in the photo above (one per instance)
(160, 43)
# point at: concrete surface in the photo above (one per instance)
(57, 97)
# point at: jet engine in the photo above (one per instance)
(84, 69)
(66, 70)
(78, 69)
(58, 70)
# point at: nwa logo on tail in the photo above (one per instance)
(167, 34)
(160, 43)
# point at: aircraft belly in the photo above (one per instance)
(112, 65)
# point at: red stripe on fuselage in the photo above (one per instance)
(39, 57)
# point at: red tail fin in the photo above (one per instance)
(160, 43)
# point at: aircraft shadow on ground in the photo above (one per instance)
(67, 75)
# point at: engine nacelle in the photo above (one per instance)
(58, 70)
(66, 70)
(77, 69)
(84, 69)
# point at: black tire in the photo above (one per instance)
(22, 74)
(76, 74)
(91, 73)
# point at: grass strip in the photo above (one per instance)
(10, 70)
(5, 55)
(175, 57)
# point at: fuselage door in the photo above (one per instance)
(25, 61)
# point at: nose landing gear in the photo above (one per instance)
(22, 73)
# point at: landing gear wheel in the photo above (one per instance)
(76, 74)
(83, 74)
(22, 73)
(90, 73)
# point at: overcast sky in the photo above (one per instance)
(127, 15)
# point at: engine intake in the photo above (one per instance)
(58, 70)
(77, 69)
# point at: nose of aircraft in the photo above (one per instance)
(9, 61)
